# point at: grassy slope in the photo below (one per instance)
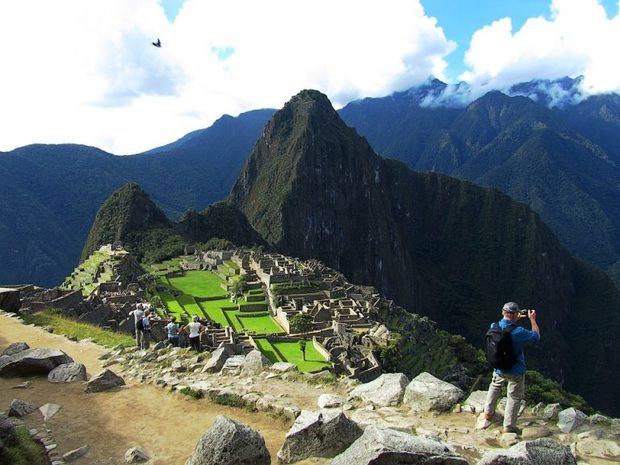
(69, 327)
(26, 452)
(201, 284)
(290, 352)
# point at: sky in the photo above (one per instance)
(84, 71)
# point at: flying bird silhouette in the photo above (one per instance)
(157, 44)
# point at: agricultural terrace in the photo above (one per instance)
(291, 352)
(97, 268)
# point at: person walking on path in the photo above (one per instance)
(146, 330)
(194, 328)
(172, 330)
(138, 314)
(513, 376)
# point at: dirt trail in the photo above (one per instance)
(167, 425)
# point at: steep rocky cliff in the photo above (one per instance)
(439, 246)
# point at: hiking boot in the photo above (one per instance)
(512, 429)
(483, 421)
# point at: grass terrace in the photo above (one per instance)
(198, 283)
(70, 327)
(290, 352)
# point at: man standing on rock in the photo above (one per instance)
(514, 376)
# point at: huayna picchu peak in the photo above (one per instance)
(438, 246)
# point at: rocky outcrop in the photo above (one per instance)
(382, 446)
(540, 452)
(426, 393)
(233, 364)
(387, 390)
(136, 455)
(104, 381)
(476, 401)
(318, 434)
(283, 367)
(551, 411)
(32, 362)
(49, 410)
(20, 408)
(217, 360)
(254, 363)
(75, 454)
(67, 373)
(229, 442)
(570, 419)
(14, 348)
(330, 401)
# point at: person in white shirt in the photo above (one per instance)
(194, 329)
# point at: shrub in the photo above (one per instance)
(193, 393)
(301, 323)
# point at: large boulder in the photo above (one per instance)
(67, 373)
(49, 410)
(8, 435)
(318, 434)
(571, 419)
(383, 446)
(14, 348)
(551, 411)
(232, 365)
(217, 360)
(426, 393)
(20, 408)
(385, 391)
(104, 381)
(255, 362)
(539, 452)
(599, 448)
(32, 362)
(229, 442)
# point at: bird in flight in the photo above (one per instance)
(157, 44)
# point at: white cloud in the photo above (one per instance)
(577, 39)
(84, 70)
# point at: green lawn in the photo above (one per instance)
(190, 305)
(69, 327)
(263, 324)
(290, 352)
(173, 306)
(198, 283)
(213, 310)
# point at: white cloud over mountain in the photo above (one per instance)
(578, 38)
(84, 71)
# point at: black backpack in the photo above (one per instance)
(140, 325)
(498, 347)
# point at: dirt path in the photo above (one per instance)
(167, 425)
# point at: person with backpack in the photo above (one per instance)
(504, 344)
(138, 314)
(145, 329)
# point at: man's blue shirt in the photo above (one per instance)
(520, 337)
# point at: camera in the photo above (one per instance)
(523, 312)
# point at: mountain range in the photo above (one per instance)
(439, 246)
(539, 143)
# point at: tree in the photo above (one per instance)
(301, 323)
(239, 285)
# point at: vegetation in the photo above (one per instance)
(215, 243)
(541, 389)
(198, 283)
(27, 451)
(300, 323)
(291, 352)
(64, 325)
(193, 393)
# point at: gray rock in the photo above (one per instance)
(318, 434)
(476, 400)
(535, 432)
(217, 360)
(32, 362)
(20, 408)
(551, 411)
(49, 410)
(387, 390)
(598, 419)
(136, 455)
(426, 393)
(330, 401)
(75, 454)
(8, 435)
(104, 381)
(67, 373)
(229, 442)
(540, 452)
(570, 419)
(254, 363)
(599, 448)
(283, 367)
(383, 446)
(14, 348)
(233, 364)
